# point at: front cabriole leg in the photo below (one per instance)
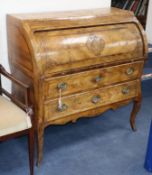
(136, 108)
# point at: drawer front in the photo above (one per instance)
(89, 100)
(70, 46)
(92, 79)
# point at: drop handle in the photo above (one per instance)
(64, 107)
(125, 90)
(96, 99)
(98, 78)
(62, 86)
(130, 71)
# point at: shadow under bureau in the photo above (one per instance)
(78, 63)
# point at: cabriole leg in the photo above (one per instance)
(136, 108)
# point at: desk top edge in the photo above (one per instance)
(72, 15)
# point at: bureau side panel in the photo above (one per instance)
(19, 56)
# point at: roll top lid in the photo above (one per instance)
(82, 38)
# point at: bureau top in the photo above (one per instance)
(77, 14)
(74, 18)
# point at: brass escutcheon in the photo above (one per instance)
(96, 99)
(98, 78)
(125, 90)
(62, 85)
(130, 71)
(64, 107)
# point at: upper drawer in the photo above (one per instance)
(92, 45)
(91, 79)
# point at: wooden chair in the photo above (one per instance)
(16, 117)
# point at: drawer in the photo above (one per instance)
(89, 100)
(60, 50)
(92, 79)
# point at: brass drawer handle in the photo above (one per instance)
(62, 86)
(96, 99)
(98, 78)
(130, 71)
(125, 90)
(64, 107)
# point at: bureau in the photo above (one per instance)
(78, 63)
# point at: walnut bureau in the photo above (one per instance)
(78, 63)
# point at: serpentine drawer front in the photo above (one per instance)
(92, 99)
(86, 80)
(78, 64)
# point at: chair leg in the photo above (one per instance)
(31, 150)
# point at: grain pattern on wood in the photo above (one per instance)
(74, 45)
(85, 114)
(84, 101)
(91, 55)
(92, 79)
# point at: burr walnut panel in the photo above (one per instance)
(69, 46)
(86, 80)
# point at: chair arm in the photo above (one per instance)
(9, 76)
(26, 88)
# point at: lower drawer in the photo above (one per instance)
(92, 99)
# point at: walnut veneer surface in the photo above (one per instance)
(78, 63)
